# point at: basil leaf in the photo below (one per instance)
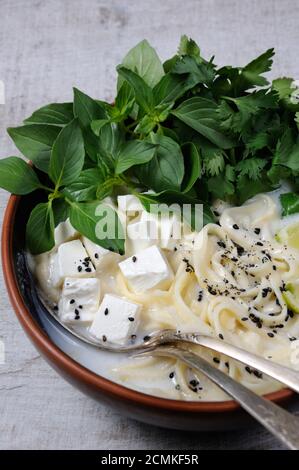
(134, 152)
(110, 141)
(143, 93)
(67, 156)
(54, 114)
(87, 109)
(35, 141)
(95, 220)
(201, 114)
(166, 168)
(60, 210)
(40, 229)
(97, 125)
(85, 187)
(124, 102)
(192, 166)
(289, 203)
(146, 125)
(143, 60)
(17, 177)
(170, 88)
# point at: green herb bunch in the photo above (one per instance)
(186, 130)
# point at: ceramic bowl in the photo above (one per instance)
(203, 416)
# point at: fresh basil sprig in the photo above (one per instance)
(186, 130)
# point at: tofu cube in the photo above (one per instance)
(129, 204)
(169, 228)
(141, 235)
(70, 260)
(79, 300)
(99, 256)
(116, 320)
(146, 270)
(64, 232)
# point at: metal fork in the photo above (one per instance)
(171, 343)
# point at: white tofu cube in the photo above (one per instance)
(64, 232)
(146, 270)
(116, 320)
(141, 235)
(129, 204)
(70, 260)
(79, 300)
(169, 228)
(99, 256)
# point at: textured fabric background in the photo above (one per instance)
(46, 47)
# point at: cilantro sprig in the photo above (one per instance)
(186, 129)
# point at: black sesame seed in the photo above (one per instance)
(227, 365)
(106, 311)
(146, 338)
(55, 308)
(175, 249)
(212, 291)
(221, 244)
(131, 319)
(104, 338)
(79, 268)
(258, 374)
(247, 368)
(236, 227)
(221, 336)
(80, 306)
(76, 311)
(257, 230)
(259, 244)
(133, 337)
(216, 360)
(194, 383)
(244, 318)
(171, 375)
(77, 317)
(271, 335)
(240, 250)
(134, 259)
(274, 267)
(293, 338)
(88, 270)
(96, 255)
(72, 301)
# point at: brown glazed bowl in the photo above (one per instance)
(189, 416)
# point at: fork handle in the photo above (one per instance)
(283, 374)
(278, 421)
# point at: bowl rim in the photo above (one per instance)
(76, 370)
